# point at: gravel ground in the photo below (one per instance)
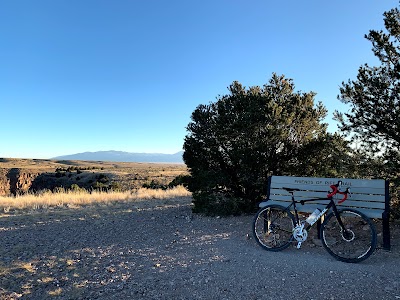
(157, 249)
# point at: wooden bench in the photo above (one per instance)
(369, 196)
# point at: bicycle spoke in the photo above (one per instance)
(273, 227)
(355, 242)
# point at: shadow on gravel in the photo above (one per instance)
(94, 252)
(158, 249)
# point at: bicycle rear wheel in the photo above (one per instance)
(273, 227)
(354, 244)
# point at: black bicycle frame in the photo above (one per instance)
(330, 205)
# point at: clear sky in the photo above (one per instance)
(91, 75)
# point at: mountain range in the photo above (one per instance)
(121, 156)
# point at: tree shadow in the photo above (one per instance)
(96, 252)
(152, 249)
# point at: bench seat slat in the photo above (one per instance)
(326, 182)
(310, 194)
(347, 203)
(309, 208)
(325, 189)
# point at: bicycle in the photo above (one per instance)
(347, 234)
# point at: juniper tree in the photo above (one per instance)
(374, 99)
(235, 143)
(374, 96)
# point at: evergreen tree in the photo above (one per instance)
(235, 143)
(374, 97)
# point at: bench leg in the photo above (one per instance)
(319, 228)
(386, 231)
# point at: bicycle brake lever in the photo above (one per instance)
(346, 194)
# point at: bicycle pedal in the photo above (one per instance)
(298, 245)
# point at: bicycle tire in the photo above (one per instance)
(356, 244)
(273, 227)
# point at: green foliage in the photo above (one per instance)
(328, 155)
(374, 97)
(102, 183)
(102, 178)
(100, 186)
(116, 186)
(58, 189)
(71, 169)
(216, 204)
(154, 184)
(180, 180)
(77, 188)
(373, 120)
(234, 144)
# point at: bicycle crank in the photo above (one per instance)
(300, 234)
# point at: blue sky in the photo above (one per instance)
(123, 75)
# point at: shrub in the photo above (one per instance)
(234, 144)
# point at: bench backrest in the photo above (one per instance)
(369, 196)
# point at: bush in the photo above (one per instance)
(154, 185)
(102, 178)
(180, 180)
(218, 204)
(76, 188)
(236, 143)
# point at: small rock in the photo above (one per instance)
(317, 242)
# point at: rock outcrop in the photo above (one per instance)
(16, 181)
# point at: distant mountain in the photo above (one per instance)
(121, 156)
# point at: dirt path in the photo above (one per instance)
(158, 250)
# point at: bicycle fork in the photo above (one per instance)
(337, 215)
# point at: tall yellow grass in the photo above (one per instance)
(68, 198)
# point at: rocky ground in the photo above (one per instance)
(157, 249)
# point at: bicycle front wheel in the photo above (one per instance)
(273, 227)
(356, 242)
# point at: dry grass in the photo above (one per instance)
(42, 174)
(73, 199)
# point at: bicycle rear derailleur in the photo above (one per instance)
(300, 234)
